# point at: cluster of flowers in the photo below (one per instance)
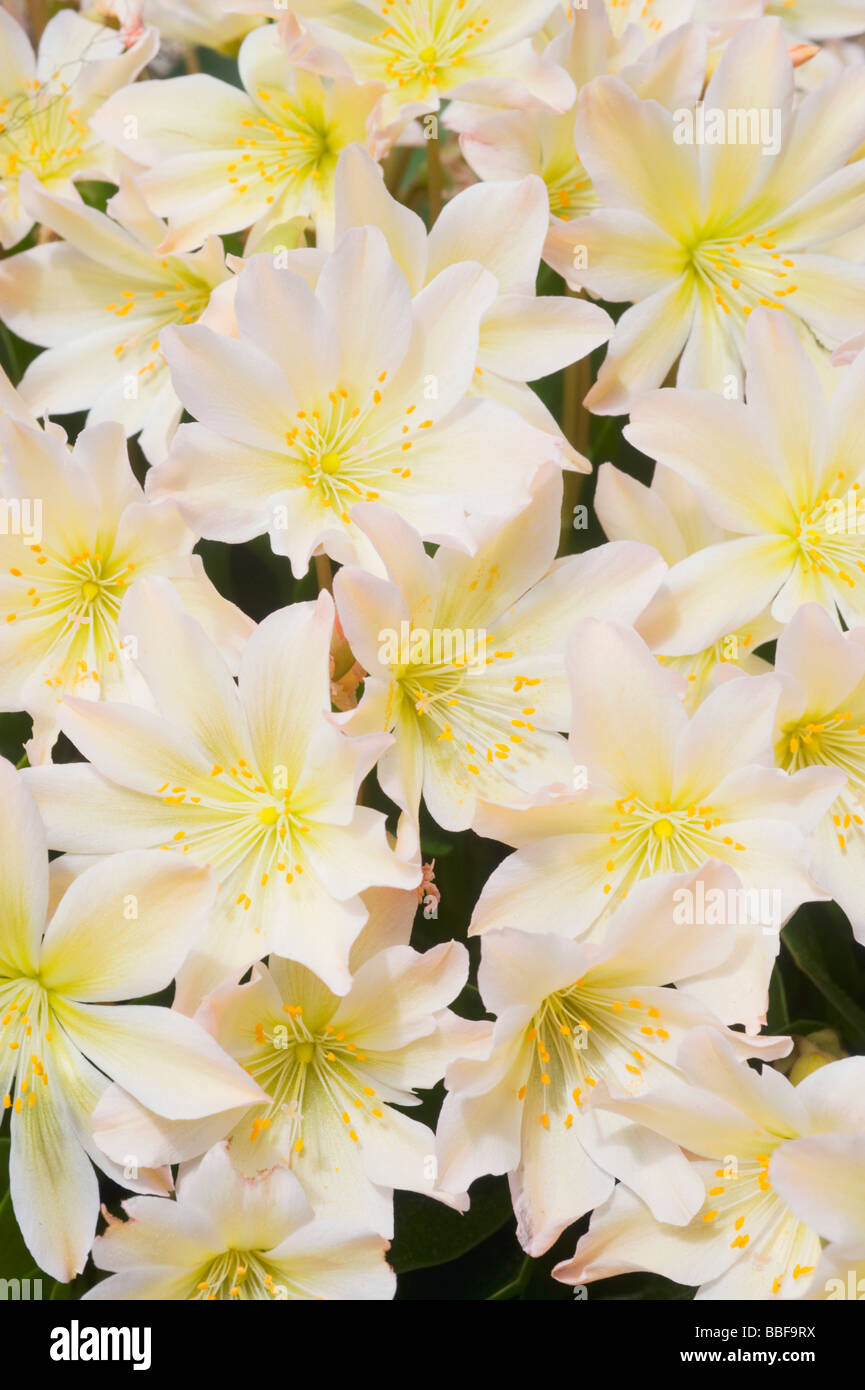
(363, 399)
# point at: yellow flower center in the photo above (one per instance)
(89, 590)
(269, 815)
(663, 829)
(330, 463)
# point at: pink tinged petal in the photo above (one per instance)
(649, 941)
(281, 314)
(188, 678)
(711, 359)
(628, 510)
(443, 350)
(648, 339)
(161, 1058)
(410, 568)
(756, 59)
(624, 1236)
(17, 60)
(348, 859)
(480, 1133)
(652, 1167)
(616, 254)
(786, 402)
(732, 728)
(716, 591)
(838, 1101)
(117, 818)
(627, 717)
(629, 150)
(371, 611)
(395, 995)
(247, 1214)
(284, 683)
(518, 968)
(133, 747)
(362, 199)
(92, 947)
(231, 387)
(767, 1098)
(122, 1126)
(479, 590)
(366, 296)
(846, 428)
(484, 456)
(713, 444)
(156, 1236)
(558, 881)
(820, 1179)
(557, 1181)
(525, 338)
(827, 130)
(55, 1194)
(226, 490)
(501, 225)
(92, 235)
(337, 1260)
(825, 683)
(23, 874)
(829, 297)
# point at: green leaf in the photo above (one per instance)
(428, 1233)
(16, 1262)
(802, 940)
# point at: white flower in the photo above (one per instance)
(196, 22)
(219, 159)
(821, 721)
(506, 143)
(477, 704)
(571, 1016)
(670, 516)
(99, 301)
(62, 1036)
(253, 780)
(784, 472)
(522, 336)
(663, 794)
(820, 19)
(697, 234)
(227, 1237)
(820, 1179)
(746, 1242)
(333, 1069)
(347, 393)
(46, 103)
(444, 48)
(87, 533)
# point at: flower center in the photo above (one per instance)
(645, 842)
(25, 1033)
(582, 1034)
(41, 130)
(238, 1274)
(290, 1058)
(745, 273)
(417, 45)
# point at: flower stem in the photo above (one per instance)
(37, 18)
(434, 177)
(324, 573)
